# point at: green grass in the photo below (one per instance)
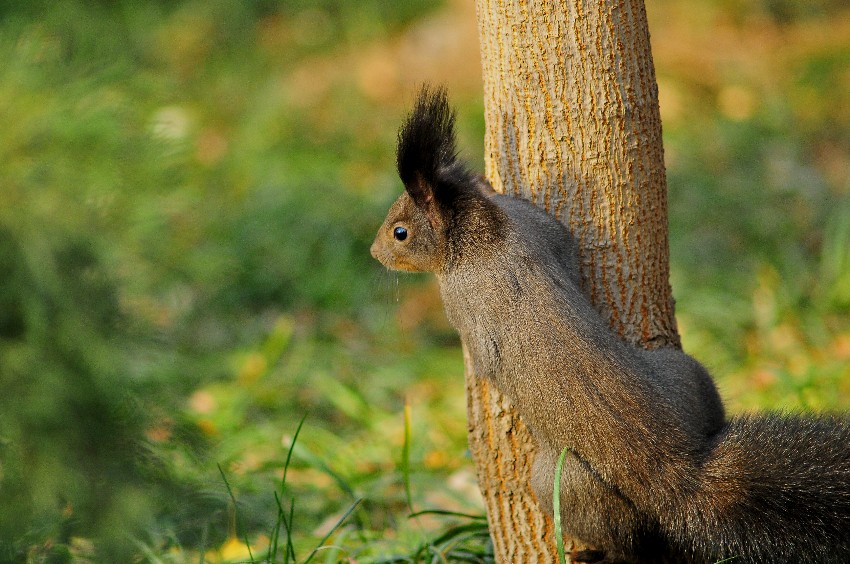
(556, 509)
(189, 190)
(285, 520)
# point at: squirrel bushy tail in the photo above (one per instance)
(774, 488)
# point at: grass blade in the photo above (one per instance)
(443, 545)
(556, 502)
(289, 547)
(233, 517)
(147, 552)
(457, 531)
(448, 513)
(289, 454)
(289, 550)
(405, 468)
(281, 515)
(204, 538)
(311, 459)
(405, 456)
(334, 528)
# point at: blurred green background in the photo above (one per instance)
(188, 190)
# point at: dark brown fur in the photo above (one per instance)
(654, 471)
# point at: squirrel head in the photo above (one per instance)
(443, 201)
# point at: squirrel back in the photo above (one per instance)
(654, 469)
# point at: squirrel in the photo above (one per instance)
(655, 471)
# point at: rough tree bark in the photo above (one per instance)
(571, 107)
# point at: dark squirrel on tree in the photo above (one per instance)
(655, 472)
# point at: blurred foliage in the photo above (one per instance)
(754, 100)
(189, 190)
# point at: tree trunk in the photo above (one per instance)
(571, 106)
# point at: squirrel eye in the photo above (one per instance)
(400, 233)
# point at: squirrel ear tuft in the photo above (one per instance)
(427, 154)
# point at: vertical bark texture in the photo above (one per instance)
(571, 106)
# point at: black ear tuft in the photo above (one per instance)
(427, 154)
